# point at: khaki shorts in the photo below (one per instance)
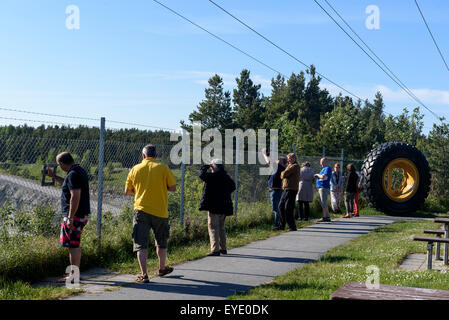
(142, 223)
(324, 194)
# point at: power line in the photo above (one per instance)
(219, 38)
(411, 95)
(369, 48)
(278, 47)
(433, 38)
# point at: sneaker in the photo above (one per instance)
(165, 271)
(213, 254)
(142, 279)
(324, 220)
(224, 251)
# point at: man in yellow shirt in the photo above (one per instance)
(149, 182)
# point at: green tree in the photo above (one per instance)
(215, 110)
(294, 95)
(276, 103)
(372, 118)
(287, 133)
(248, 107)
(340, 129)
(316, 101)
(436, 149)
(404, 127)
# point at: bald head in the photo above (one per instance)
(323, 162)
(65, 158)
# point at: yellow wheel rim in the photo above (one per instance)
(410, 180)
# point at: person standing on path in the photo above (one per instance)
(336, 186)
(305, 191)
(216, 199)
(149, 182)
(290, 181)
(351, 189)
(323, 186)
(275, 185)
(356, 197)
(75, 206)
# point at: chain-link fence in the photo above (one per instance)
(108, 163)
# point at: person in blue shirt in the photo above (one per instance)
(323, 186)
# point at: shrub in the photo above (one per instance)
(436, 205)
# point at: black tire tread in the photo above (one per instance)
(372, 170)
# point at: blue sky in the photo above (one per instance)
(134, 61)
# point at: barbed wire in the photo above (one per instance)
(43, 122)
(75, 117)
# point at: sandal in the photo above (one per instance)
(64, 279)
(165, 271)
(142, 279)
(347, 216)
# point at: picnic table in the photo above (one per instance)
(446, 235)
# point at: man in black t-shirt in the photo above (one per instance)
(75, 205)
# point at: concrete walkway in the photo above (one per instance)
(244, 268)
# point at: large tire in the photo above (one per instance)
(374, 187)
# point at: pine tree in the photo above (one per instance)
(215, 110)
(316, 101)
(248, 107)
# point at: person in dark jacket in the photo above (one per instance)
(216, 199)
(351, 189)
(275, 185)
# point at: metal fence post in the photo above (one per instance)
(183, 174)
(100, 180)
(236, 177)
(324, 151)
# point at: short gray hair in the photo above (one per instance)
(149, 150)
(217, 164)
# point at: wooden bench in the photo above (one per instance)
(359, 291)
(445, 221)
(430, 241)
(439, 234)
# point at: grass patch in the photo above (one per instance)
(385, 248)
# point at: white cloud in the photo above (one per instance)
(430, 96)
(426, 95)
(202, 77)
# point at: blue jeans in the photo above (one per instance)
(275, 196)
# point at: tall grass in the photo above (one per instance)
(31, 252)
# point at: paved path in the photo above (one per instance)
(243, 268)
